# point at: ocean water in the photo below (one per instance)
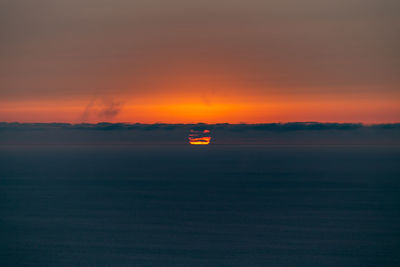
(199, 206)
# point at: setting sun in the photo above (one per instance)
(199, 137)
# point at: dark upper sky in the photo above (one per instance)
(188, 61)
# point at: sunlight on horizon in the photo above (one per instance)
(197, 137)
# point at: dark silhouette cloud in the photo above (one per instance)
(274, 127)
(274, 133)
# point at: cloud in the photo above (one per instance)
(86, 112)
(292, 126)
(101, 109)
(114, 108)
(110, 109)
(295, 133)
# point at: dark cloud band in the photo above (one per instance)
(273, 133)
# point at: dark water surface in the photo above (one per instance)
(199, 206)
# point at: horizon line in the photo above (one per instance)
(203, 123)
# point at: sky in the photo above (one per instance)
(253, 61)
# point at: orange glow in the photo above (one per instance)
(200, 141)
(199, 137)
(179, 108)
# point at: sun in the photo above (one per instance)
(197, 137)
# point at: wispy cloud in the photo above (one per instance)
(101, 108)
(110, 109)
(86, 112)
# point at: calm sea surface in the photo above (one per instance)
(199, 206)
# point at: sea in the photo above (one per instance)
(215, 205)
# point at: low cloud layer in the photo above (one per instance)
(274, 133)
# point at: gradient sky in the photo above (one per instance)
(199, 61)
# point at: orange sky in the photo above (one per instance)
(199, 61)
(194, 109)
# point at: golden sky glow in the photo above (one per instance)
(191, 110)
(199, 61)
